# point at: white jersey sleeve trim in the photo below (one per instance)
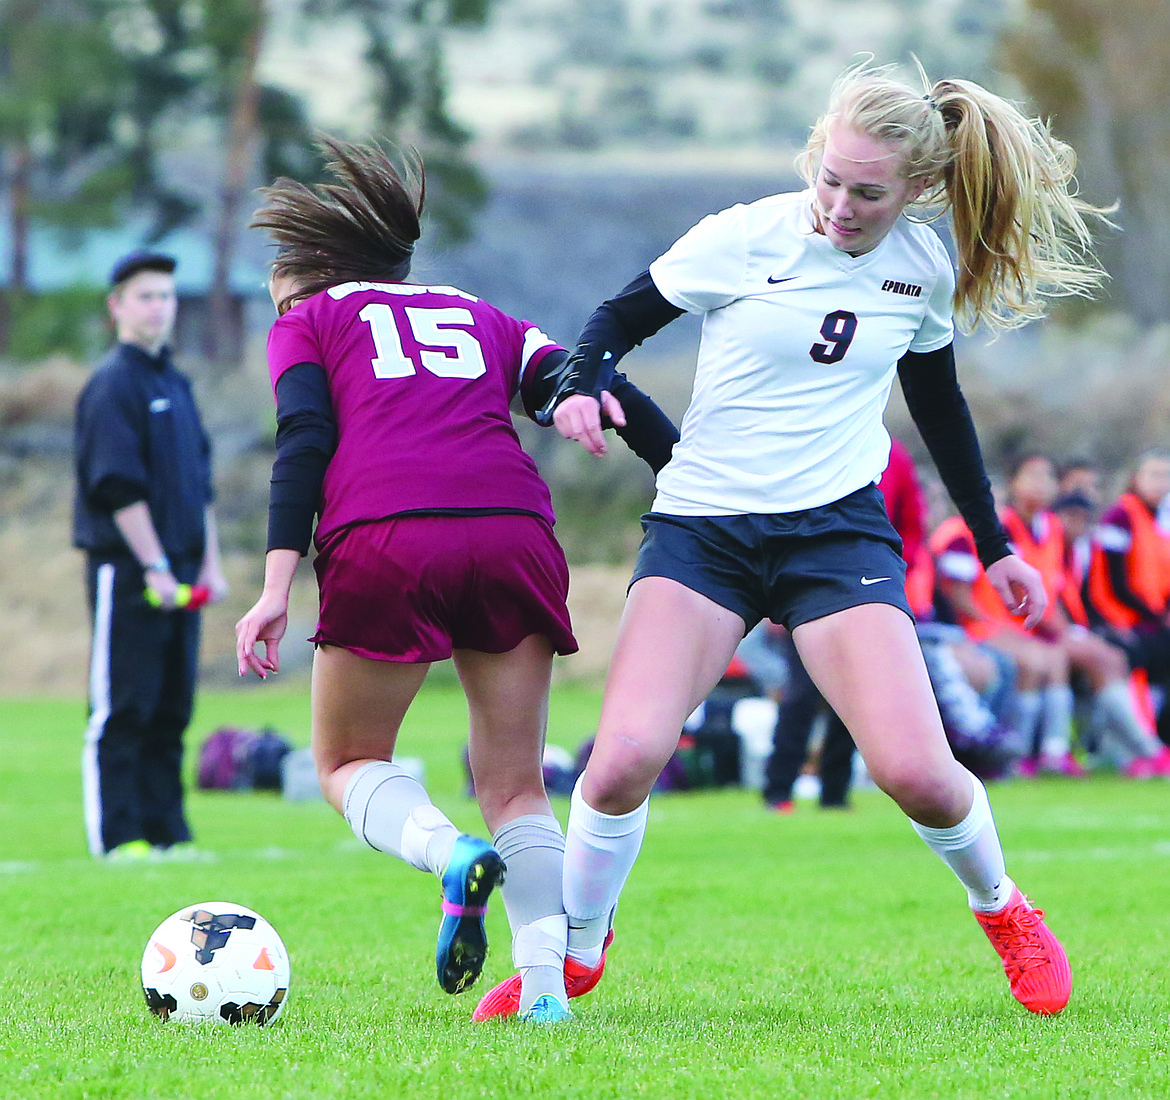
(958, 566)
(1112, 538)
(534, 341)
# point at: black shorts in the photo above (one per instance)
(791, 567)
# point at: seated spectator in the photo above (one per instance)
(1062, 636)
(1079, 497)
(1078, 516)
(1083, 476)
(1039, 536)
(1128, 588)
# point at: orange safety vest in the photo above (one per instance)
(1147, 568)
(1048, 556)
(920, 583)
(994, 616)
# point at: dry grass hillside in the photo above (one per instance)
(42, 593)
(41, 580)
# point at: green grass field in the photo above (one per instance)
(818, 955)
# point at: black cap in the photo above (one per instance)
(1074, 499)
(141, 259)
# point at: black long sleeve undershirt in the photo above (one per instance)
(622, 322)
(306, 437)
(931, 388)
(637, 311)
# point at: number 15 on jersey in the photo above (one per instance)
(446, 345)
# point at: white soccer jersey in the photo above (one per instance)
(799, 349)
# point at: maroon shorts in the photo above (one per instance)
(412, 588)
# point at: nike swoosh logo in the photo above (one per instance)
(786, 279)
(874, 580)
(168, 956)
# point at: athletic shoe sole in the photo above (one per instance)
(475, 869)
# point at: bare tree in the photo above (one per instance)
(236, 31)
(1100, 69)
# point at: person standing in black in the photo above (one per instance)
(143, 516)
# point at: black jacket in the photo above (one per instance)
(138, 436)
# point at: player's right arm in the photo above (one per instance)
(939, 411)
(306, 437)
(267, 619)
(588, 380)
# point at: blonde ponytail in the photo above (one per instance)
(1018, 224)
(1019, 227)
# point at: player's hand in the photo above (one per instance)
(612, 409)
(579, 417)
(1020, 587)
(266, 622)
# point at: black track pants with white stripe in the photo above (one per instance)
(143, 666)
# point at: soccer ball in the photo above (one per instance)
(215, 961)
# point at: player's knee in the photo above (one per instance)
(919, 791)
(502, 798)
(622, 770)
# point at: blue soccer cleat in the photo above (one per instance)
(475, 869)
(546, 1009)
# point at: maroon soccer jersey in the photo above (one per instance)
(421, 379)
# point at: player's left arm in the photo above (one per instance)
(930, 385)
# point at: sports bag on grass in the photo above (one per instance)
(233, 759)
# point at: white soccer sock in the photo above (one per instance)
(389, 809)
(1056, 721)
(972, 850)
(538, 950)
(1115, 705)
(533, 847)
(600, 850)
(1025, 716)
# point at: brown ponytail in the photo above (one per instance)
(361, 228)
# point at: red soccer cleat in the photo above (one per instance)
(1161, 762)
(1033, 959)
(504, 999)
